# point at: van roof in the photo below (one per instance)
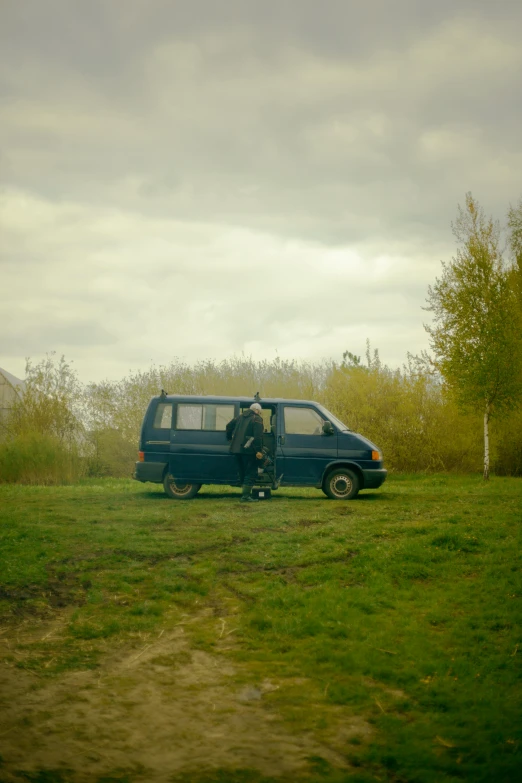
(216, 398)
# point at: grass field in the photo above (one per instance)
(298, 639)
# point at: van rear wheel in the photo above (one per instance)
(179, 490)
(341, 484)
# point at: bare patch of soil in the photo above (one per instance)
(311, 522)
(61, 590)
(150, 713)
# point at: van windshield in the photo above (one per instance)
(332, 418)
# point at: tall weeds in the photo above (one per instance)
(35, 458)
(44, 435)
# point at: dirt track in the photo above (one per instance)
(150, 713)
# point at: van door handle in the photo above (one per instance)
(281, 440)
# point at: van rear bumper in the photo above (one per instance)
(150, 471)
(374, 478)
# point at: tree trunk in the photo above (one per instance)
(486, 443)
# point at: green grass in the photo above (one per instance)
(402, 607)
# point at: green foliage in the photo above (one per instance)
(39, 458)
(109, 453)
(44, 439)
(477, 332)
(351, 360)
(508, 445)
(51, 402)
(406, 413)
(515, 233)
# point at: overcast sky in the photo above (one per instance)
(203, 178)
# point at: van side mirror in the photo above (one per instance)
(328, 428)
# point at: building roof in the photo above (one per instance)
(12, 380)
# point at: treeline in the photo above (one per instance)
(61, 430)
(433, 414)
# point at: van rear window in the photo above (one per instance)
(204, 417)
(163, 416)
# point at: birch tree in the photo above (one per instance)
(515, 246)
(476, 333)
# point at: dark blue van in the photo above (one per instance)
(183, 445)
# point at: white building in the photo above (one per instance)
(11, 388)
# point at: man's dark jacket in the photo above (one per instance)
(248, 425)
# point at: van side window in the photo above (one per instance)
(163, 416)
(189, 417)
(216, 417)
(302, 421)
(204, 417)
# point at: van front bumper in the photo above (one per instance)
(374, 478)
(150, 471)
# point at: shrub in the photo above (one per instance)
(407, 414)
(35, 458)
(111, 454)
(51, 402)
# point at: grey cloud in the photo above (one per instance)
(137, 134)
(43, 334)
(102, 38)
(275, 121)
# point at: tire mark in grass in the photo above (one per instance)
(238, 593)
(161, 556)
(276, 569)
(152, 557)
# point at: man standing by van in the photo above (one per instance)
(246, 434)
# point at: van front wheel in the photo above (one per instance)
(341, 484)
(179, 490)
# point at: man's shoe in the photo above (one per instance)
(248, 499)
(246, 491)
